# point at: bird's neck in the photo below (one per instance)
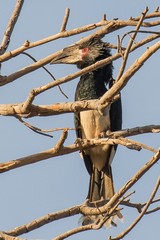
(92, 85)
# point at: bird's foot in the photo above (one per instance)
(79, 143)
(104, 134)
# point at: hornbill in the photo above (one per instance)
(90, 124)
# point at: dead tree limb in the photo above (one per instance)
(10, 26)
(123, 234)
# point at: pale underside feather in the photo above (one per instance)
(92, 124)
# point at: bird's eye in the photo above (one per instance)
(84, 52)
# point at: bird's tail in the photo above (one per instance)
(101, 187)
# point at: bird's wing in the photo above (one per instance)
(116, 115)
(115, 112)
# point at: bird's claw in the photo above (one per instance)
(79, 143)
(104, 134)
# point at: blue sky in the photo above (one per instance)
(33, 191)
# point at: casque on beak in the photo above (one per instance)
(69, 55)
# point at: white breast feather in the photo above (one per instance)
(92, 124)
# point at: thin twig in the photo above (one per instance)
(139, 206)
(51, 217)
(152, 210)
(59, 146)
(118, 85)
(29, 55)
(34, 129)
(94, 226)
(122, 82)
(65, 20)
(4, 236)
(49, 58)
(134, 131)
(50, 153)
(157, 9)
(127, 186)
(48, 218)
(104, 17)
(74, 231)
(26, 107)
(117, 25)
(135, 145)
(123, 234)
(42, 131)
(11, 24)
(52, 76)
(139, 31)
(61, 141)
(119, 46)
(126, 53)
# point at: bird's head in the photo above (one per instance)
(83, 54)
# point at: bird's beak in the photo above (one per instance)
(69, 55)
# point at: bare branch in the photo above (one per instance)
(123, 234)
(111, 26)
(119, 85)
(27, 54)
(139, 31)
(42, 131)
(65, 20)
(153, 210)
(11, 25)
(28, 45)
(139, 206)
(34, 129)
(126, 53)
(47, 60)
(26, 109)
(4, 236)
(45, 110)
(155, 14)
(61, 141)
(94, 226)
(74, 231)
(7, 79)
(135, 145)
(135, 131)
(85, 209)
(50, 217)
(107, 97)
(126, 187)
(79, 145)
